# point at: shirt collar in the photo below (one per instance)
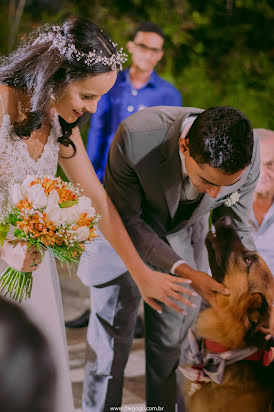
(253, 220)
(184, 130)
(183, 165)
(152, 81)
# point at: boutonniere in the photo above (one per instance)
(232, 199)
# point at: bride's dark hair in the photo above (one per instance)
(41, 71)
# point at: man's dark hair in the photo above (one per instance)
(223, 138)
(149, 27)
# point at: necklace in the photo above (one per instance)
(37, 145)
(22, 108)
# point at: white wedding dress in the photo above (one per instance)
(45, 306)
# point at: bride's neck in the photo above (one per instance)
(22, 104)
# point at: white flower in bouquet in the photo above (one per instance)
(53, 214)
(53, 199)
(16, 194)
(81, 234)
(25, 186)
(59, 216)
(84, 204)
(37, 196)
(70, 214)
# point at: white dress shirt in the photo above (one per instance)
(189, 190)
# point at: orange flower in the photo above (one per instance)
(65, 194)
(92, 234)
(38, 228)
(84, 220)
(24, 204)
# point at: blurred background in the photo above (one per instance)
(217, 52)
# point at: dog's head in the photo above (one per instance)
(249, 280)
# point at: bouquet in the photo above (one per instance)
(47, 213)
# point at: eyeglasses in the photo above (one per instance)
(146, 49)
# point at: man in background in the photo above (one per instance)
(135, 89)
(262, 217)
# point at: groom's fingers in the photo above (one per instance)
(185, 291)
(182, 299)
(171, 303)
(218, 287)
(177, 279)
(151, 302)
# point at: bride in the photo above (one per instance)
(47, 87)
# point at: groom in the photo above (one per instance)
(167, 168)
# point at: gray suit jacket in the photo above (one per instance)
(143, 178)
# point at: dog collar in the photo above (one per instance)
(266, 356)
(205, 365)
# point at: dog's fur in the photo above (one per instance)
(247, 386)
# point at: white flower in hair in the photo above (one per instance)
(232, 199)
(66, 47)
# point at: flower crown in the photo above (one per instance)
(64, 43)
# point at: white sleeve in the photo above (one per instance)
(175, 265)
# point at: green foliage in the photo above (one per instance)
(16, 284)
(14, 217)
(67, 255)
(68, 203)
(4, 230)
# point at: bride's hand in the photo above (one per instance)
(19, 256)
(156, 286)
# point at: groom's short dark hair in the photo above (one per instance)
(223, 138)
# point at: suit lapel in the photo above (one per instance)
(171, 180)
(171, 167)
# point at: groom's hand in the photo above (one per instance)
(158, 287)
(205, 285)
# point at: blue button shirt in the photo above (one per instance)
(264, 236)
(119, 103)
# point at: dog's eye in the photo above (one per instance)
(247, 260)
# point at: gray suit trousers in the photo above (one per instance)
(114, 308)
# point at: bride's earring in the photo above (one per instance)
(52, 97)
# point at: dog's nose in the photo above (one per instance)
(225, 221)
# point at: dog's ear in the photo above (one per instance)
(256, 315)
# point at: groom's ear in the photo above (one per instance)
(184, 145)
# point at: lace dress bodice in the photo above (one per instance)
(15, 161)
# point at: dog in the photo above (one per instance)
(232, 330)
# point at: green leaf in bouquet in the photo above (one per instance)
(68, 203)
(4, 229)
(19, 233)
(14, 218)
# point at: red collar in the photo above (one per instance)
(266, 356)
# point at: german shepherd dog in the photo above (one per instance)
(247, 385)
